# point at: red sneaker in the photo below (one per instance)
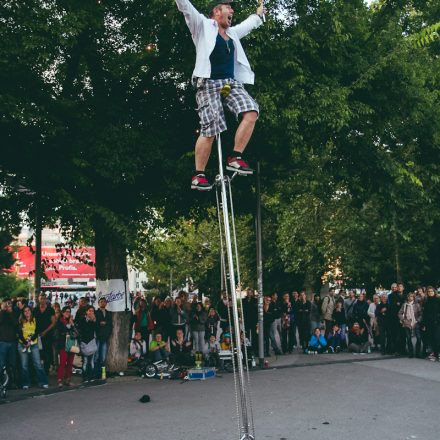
(200, 183)
(238, 165)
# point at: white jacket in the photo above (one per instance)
(204, 34)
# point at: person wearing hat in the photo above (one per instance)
(221, 60)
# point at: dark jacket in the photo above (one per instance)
(61, 331)
(198, 320)
(275, 308)
(431, 312)
(104, 331)
(211, 325)
(303, 314)
(87, 330)
(250, 311)
(339, 317)
(382, 314)
(360, 312)
(178, 316)
(395, 301)
(8, 327)
(353, 338)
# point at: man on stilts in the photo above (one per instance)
(221, 61)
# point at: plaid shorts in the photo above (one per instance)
(210, 105)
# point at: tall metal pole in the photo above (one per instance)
(38, 232)
(230, 261)
(259, 273)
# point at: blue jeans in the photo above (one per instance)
(100, 356)
(8, 352)
(159, 355)
(88, 366)
(36, 361)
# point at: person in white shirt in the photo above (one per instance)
(221, 70)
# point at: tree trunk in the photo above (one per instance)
(396, 251)
(111, 283)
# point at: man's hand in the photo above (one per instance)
(261, 10)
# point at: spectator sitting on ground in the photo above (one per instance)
(138, 347)
(211, 352)
(317, 343)
(159, 349)
(336, 339)
(358, 339)
(181, 349)
(225, 343)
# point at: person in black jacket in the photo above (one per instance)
(250, 311)
(87, 328)
(104, 321)
(382, 317)
(8, 340)
(360, 311)
(275, 310)
(396, 332)
(267, 323)
(303, 318)
(430, 323)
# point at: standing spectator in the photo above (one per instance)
(181, 349)
(327, 308)
(211, 325)
(358, 339)
(87, 327)
(250, 311)
(349, 306)
(8, 340)
(267, 324)
(397, 333)
(360, 311)
(197, 324)
(222, 309)
(65, 328)
(178, 317)
(303, 319)
(275, 327)
(288, 337)
(373, 321)
(382, 318)
(104, 322)
(339, 318)
(410, 315)
(431, 322)
(315, 311)
(46, 320)
(28, 348)
(142, 318)
(18, 308)
(82, 306)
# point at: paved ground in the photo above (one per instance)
(392, 399)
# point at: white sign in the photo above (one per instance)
(114, 292)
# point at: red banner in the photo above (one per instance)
(58, 262)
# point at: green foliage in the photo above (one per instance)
(12, 286)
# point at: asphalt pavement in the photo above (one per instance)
(392, 399)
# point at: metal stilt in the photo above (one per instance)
(246, 430)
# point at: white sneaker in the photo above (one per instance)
(25, 387)
(45, 386)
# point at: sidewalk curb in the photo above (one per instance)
(50, 391)
(329, 362)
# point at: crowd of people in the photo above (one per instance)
(394, 322)
(187, 331)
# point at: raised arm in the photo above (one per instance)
(193, 17)
(248, 25)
